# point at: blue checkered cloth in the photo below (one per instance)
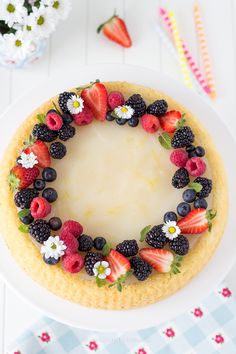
(207, 328)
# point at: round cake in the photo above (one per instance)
(112, 195)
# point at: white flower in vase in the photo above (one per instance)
(12, 11)
(59, 8)
(17, 45)
(42, 21)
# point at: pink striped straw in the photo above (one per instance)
(204, 49)
(191, 61)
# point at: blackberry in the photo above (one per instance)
(182, 138)
(40, 230)
(85, 243)
(62, 101)
(180, 178)
(24, 197)
(42, 132)
(179, 245)
(128, 248)
(141, 269)
(57, 150)
(66, 132)
(206, 186)
(99, 243)
(158, 108)
(156, 237)
(90, 259)
(137, 103)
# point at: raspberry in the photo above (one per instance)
(150, 123)
(40, 208)
(54, 120)
(73, 263)
(115, 99)
(179, 157)
(85, 117)
(196, 166)
(74, 227)
(70, 241)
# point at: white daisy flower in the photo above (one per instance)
(53, 247)
(125, 112)
(60, 8)
(171, 229)
(17, 45)
(42, 22)
(101, 269)
(12, 11)
(28, 160)
(75, 104)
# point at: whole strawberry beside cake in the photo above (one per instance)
(106, 190)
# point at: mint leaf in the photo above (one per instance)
(41, 118)
(119, 287)
(24, 228)
(165, 140)
(106, 249)
(100, 282)
(144, 232)
(195, 186)
(23, 213)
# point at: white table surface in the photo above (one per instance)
(77, 43)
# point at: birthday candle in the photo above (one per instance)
(190, 59)
(179, 47)
(204, 50)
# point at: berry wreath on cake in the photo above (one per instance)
(112, 195)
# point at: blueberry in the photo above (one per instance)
(109, 116)
(200, 203)
(170, 216)
(39, 184)
(67, 118)
(192, 154)
(190, 148)
(200, 151)
(121, 121)
(189, 195)
(133, 122)
(28, 219)
(99, 243)
(183, 209)
(49, 174)
(50, 194)
(55, 223)
(51, 260)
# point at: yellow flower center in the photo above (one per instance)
(53, 246)
(76, 104)
(124, 109)
(18, 43)
(40, 20)
(101, 269)
(29, 28)
(172, 229)
(11, 8)
(56, 4)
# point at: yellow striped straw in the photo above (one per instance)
(204, 50)
(180, 51)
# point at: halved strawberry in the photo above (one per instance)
(119, 265)
(40, 149)
(160, 259)
(169, 121)
(115, 29)
(95, 96)
(20, 177)
(197, 221)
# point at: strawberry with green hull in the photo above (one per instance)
(115, 29)
(120, 269)
(21, 177)
(197, 221)
(161, 260)
(40, 149)
(95, 97)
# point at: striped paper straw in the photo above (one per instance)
(179, 47)
(204, 50)
(190, 59)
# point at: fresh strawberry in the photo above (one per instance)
(169, 121)
(197, 221)
(160, 259)
(115, 29)
(40, 149)
(119, 265)
(95, 96)
(21, 178)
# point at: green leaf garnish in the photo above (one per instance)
(176, 265)
(100, 282)
(23, 212)
(41, 118)
(114, 115)
(29, 141)
(144, 232)
(121, 280)
(24, 228)
(55, 106)
(181, 122)
(165, 140)
(195, 186)
(210, 214)
(106, 249)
